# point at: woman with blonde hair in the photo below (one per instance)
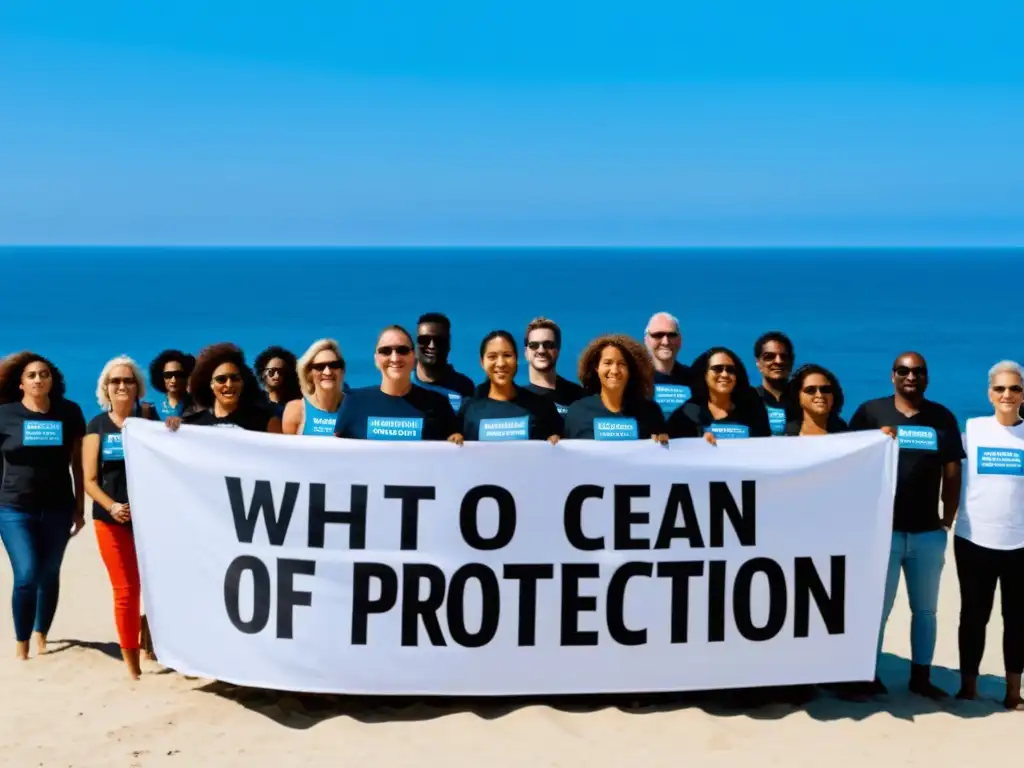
(321, 372)
(119, 392)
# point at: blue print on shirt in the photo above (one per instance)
(671, 396)
(505, 429)
(1000, 461)
(386, 428)
(917, 438)
(38, 434)
(562, 409)
(776, 419)
(113, 448)
(729, 431)
(615, 429)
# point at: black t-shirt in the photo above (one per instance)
(528, 417)
(452, 384)
(420, 414)
(833, 426)
(254, 417)
(748, 419)
(928, 441)
(563, 395)
(112, 476)
(37, 451)
(775, 408)
(673, 390)
(589, 419)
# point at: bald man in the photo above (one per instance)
(672, 379)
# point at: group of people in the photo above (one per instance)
(625, 390)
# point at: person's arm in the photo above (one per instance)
(952, 471)
(274, 426)
(550, 423)
(656, 420)
(292, 418)
(760, 424)
(91, 473)
(680, 425)
(78, 522)
(344, 415)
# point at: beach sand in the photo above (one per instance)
(76, 707)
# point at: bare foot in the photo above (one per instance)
(40, 639)
(131, 660)
(1013, 703)
(968, 688)
(21, 650)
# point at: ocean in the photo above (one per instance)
(852, 310)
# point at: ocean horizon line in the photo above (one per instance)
(493, 247)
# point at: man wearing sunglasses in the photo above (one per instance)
(672, 379)
(774, 354)
(433, 371)
(929, 459)
(543, 342)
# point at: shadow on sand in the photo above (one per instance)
(301, 711)
(113, 650)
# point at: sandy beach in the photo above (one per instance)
(76, 706)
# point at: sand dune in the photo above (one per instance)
(76, 707)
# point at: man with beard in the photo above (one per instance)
(774, 354)
(929, 458)
(671, 378)
(433, 371)
(543, 343)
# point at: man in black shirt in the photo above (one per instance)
(433, 371)
(774, 354)
(672, 380)
(543, 345)
(930, 454)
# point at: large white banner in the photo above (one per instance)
(324, 565)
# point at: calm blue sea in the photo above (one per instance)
(851, 310)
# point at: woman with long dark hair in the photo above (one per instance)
(617, 374)
(277, 370)
(813, 400)
(168, 374)
(42, 499)
(722, 402)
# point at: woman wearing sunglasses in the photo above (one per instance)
(617, 374)
(499, 410)
(813, 401)
(322, 374)
(118, 393)
(989, 534)
(397, 409)
(168, 373)
(277, 370)
(723, 404)
(226, 393)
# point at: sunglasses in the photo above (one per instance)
(168, 375)
(1015, 388)
(272, 372)
(535, 345)
(334, 365)
(659, 335)
(401, 350)
(224, 378)
(719, 369)
(825, 389)
(117, 381)
(768, 357)
(905, 370)
(425, 339)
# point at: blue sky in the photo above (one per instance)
(456, 122)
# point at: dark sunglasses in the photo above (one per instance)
(268, 372)
(117, 381)
(425, 339)
(334, 365)
(401, 350)
(905, 370)
(224, 378)
(659, 335)
(782, 357)
(535, 345)
(168, 375)
(729, 369)
(825, 389)
(1015, 388)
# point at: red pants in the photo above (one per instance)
(117, 548)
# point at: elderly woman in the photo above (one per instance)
(989, 534)
(118, 392)
(322, 375)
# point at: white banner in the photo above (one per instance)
(320, 565)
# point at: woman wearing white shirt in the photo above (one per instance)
(989, 543)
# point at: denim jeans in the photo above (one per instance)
(35, 542)
(920, 556)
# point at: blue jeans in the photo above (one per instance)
(920, 556)
(35, 542)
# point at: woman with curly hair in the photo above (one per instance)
(617, 374)
(40, 509)
(118, 392)
(722, 402)
(168, 373)
(277, 370)
(226, 393)
(813, 400)
(322, 373)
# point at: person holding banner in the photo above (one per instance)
(397, 409)
(618, 376)
(989, 536)
(226, 393)
(42, 503)
(813, 400)
(118, 393)
(929, 458)
(723, 402)
(499, 410)
(168, 373)
(322, 375)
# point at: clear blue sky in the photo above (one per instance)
(458, 122)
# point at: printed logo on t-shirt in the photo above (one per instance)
(729, 431)
(615, 429)
(322, 425)
(777, 419)
(917, 438)
(1000, 461)
(671, 396)
(384, 428)
(455, 399)
(112, 447)
(37, 434)
(165, 410)
(227, 425)
(517, 428)
(562, 409)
